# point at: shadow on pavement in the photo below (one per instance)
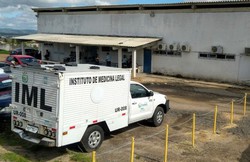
(245, 156)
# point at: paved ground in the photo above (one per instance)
(230, 143)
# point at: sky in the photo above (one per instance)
(18, 14)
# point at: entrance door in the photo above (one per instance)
(147, 61)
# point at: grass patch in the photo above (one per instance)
(10, 139)
(79, 157)
(137, 157)
(12, 157)
(4, 51)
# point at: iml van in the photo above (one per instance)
(58, 105)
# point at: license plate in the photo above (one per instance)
(31, 129)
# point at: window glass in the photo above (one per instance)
(216, 56)
(16, 61)
(168, 53)
(27, 60)
(138, 91)
(10, 59)
(19, 51)
(2, 65)
(27, 51)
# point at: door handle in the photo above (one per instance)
(134, 103)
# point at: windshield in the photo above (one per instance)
(28, 60)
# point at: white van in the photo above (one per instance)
(57, 105)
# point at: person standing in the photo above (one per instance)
(108, 60)
(130, 62)
(47, 54)
(39, 55)
(124, 62)
(97, 60)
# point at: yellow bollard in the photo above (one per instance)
(132, 150)
(245, 104)
(93, 156)
(193, 132)
(215, 118)
(232, 112)
(166, 145)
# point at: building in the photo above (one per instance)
(206, 40)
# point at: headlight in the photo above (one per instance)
(6, 109)
(7, 81)
(12, 106)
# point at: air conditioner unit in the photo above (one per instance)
(162, 47)
(217, 49)
(185, 48)
(174, 47)
(247, 51)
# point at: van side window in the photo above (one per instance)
(138, 91)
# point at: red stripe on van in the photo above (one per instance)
(72, 127)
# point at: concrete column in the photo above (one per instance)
(119, 57)
(41, 47)
(134, 63)
(22, 46)
(77, 54)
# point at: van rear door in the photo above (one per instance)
(34, 101)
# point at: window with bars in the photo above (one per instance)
(216, 56)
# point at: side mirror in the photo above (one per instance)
(151, 93)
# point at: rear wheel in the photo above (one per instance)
(92, 138)
(158, 116)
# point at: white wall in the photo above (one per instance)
(200, 30)
(190, 65)
(6, 47)
(244, 71)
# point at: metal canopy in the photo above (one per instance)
(113, 41)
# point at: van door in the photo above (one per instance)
(141, 103)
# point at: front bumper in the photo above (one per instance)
(167, 106)
(43, 141)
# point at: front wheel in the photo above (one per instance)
(158, 116)
(92, 138)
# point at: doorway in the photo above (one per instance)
(147, 61)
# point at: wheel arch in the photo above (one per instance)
(104, 126)
(93, 136)
(164, 107)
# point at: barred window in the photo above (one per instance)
(217, 56)
(168, 53)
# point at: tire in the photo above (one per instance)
(92, 138)
(158, 116)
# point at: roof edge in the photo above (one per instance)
(186, 5)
